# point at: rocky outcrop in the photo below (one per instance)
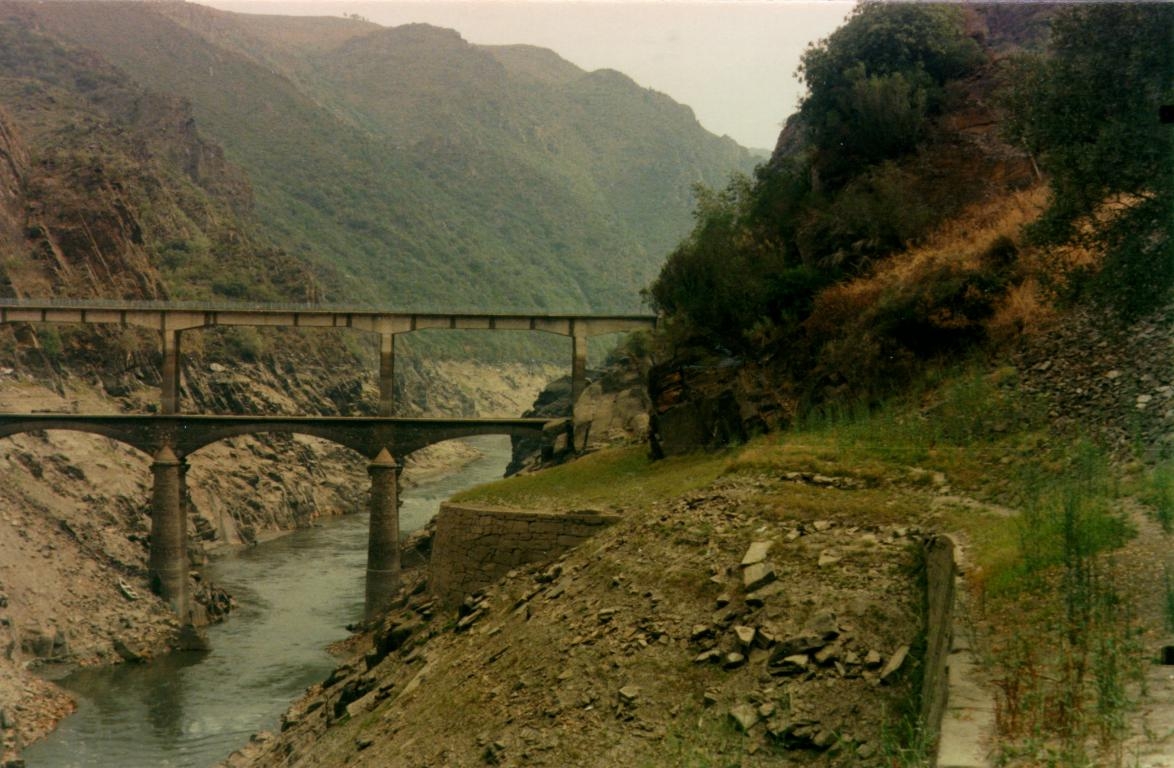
(702, 402)
(612, 410)
(1104, 376)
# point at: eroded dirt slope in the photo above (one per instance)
(647, 646)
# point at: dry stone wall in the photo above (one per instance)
(476, 545)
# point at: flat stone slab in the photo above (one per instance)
(968, 723)
(757, 576)
(745, 716)
(756, 553)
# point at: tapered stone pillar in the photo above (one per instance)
(167, 565)
(383, 562)
(578, 365)
(171, 371)
(387, 374)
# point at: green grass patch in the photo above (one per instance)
(613, 479)
(1157, 492)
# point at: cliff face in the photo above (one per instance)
(96, 174)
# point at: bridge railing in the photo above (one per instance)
(291, 306)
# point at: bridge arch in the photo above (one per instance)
(169, 439)
(186, 434)
(65, 423)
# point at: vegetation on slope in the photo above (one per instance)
(1066, 615)
(1089, 112)
(875, 258)
(110, 191)
(798, 262)
(419, 166)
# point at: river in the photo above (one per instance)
(295, 595)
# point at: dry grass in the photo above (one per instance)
(972, 232)
(962, 242)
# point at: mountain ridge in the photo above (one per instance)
(500, 190)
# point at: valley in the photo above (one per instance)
(888, 482)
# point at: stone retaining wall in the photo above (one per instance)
(475, 546)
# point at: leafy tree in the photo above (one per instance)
(874, 82)
(1089, 112)
(729, 276)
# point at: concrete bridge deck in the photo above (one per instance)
(180, 316)
(171, 319)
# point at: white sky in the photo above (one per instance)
(732, 61)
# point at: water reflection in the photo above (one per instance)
(165, 704)
(295, 595)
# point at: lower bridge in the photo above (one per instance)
(170, 439)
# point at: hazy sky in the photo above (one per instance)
(732, 61)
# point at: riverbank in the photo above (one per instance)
(74, 524)
(296, 594)
(653, 645)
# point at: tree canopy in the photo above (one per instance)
(762, 247)
(1089, 112)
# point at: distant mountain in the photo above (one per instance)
(405, 165)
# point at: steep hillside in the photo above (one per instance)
(109, 188)
(86, 151)
(426, 170)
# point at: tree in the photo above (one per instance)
(1089, 112)
(874, 82)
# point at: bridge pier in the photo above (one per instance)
(578, 364)
(171, 371)
(387, 374)
(383, 559)
(168, 567)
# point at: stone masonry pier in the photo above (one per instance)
(477, 545)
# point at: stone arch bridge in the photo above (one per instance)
(170, 439)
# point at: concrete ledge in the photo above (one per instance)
(966, 719)
(475, 546)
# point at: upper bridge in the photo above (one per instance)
(171, 319)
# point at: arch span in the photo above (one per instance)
(11, 424)
(169, 438)
(186, 434)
